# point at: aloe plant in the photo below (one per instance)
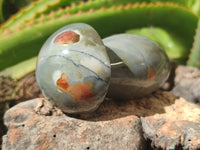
(9, 7)
(22, 37)
(195, 51)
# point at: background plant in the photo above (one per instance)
(174, 23)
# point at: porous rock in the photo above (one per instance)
(161, 119)
(187, 83)
(178, 127)
(37, 125)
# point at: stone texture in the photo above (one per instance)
(37, 125)
(161, 118)
(187, 83)
(179, 126)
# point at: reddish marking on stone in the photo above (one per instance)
(151, 74)
(67, 37)
(63, 83)
(79, 92)
(82, 91)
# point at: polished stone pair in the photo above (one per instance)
(74, 68)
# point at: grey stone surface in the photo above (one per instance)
(187, 83)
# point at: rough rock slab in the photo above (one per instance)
(36, 125)
(161, 118)
(187, 83)
(178, 127)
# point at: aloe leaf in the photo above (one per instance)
(194, 58)
(23, 44)
(21, 69)
(36, 7)
(194, 5)
(9, 7)
(1, 11)
(40, 7)
(173, 45)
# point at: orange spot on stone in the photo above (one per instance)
(79, 92)
(67, 37)
(151, 74)
(63, 83)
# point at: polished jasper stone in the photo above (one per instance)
(139, 66)
(73, 69)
